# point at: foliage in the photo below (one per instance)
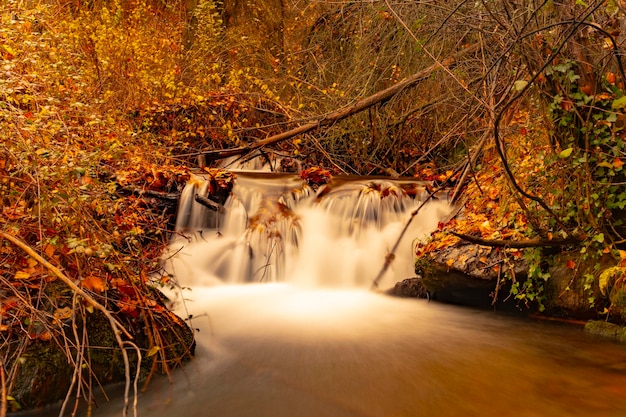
(66, 164)
(564, 170)
(101, 104)
(316, 176)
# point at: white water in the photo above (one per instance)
(338, 239)
(315, 343)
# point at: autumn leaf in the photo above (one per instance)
(153, 350)
(94, 283)
(63, 313)
(610, 78)
(569, 264)
(22, 275)
(565, 153)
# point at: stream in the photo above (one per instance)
(277, 286)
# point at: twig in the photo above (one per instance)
(392, 254)
(3, 381)
(116, 326)
(517, 244)
(471, 160)
(135, 380)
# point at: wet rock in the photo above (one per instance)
(45, 368)
(468, 274)
(605, 329)
(410, 287)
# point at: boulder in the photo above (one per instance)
(44, 369)
(469, 274)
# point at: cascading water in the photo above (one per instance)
(274, 284)
(276, 228)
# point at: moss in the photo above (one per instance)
(618, 302)
(44, 375)
(606, 329)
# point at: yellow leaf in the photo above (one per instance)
(565, 153)
(22, 275)
(622, 254)
(153, 350)
(607, 276)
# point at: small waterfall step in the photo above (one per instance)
(274, 227)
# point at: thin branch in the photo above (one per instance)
(392, 254)
(517, 244)
(116, 326)
(345, 112)
(3, 387)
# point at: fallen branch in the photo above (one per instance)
(116, 326)
(151, 193)
(343, 113)
(517, 244)
(392, 254)
(208, 203)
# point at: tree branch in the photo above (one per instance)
(116, 326)
(517, 244)
(343, 113)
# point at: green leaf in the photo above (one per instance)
(619, 103)
(566, 152)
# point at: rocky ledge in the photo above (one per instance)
(481, 276)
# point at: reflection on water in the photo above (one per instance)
(274, 350)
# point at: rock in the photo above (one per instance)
(568, 297)
(617, 298)
(44, 371)
(410, 287)
(467, 274)
(605, 329)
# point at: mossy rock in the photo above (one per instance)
(44, 371)
(606, 329)
(464, 274)
(618, 302)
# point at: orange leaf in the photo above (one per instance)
(49, 250)
(570, 264)
(611, 78)
(617, 162)
(22, 275)
(94, 283)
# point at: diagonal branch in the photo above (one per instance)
(334, 117)
(116, 326)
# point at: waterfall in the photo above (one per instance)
(277, 228)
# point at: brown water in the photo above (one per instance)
(274, 351)
(313, 344)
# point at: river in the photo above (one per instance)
(286, 327)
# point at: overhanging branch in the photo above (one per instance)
(343, 113)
